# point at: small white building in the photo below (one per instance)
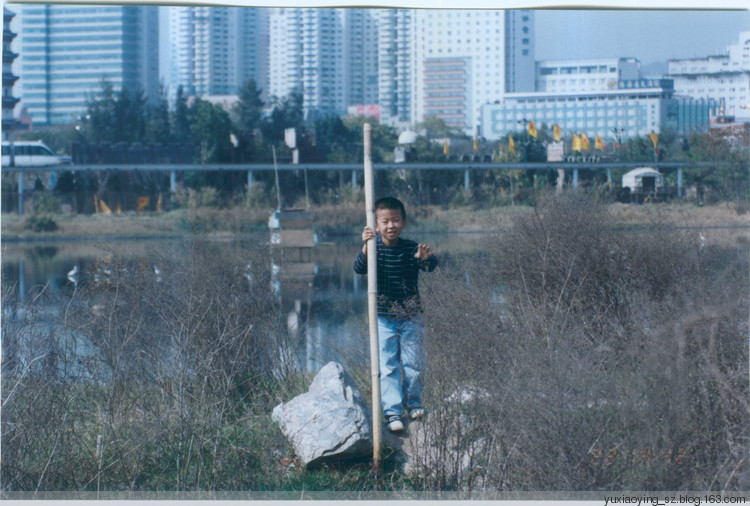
(644, 180)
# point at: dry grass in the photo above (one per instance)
(176, 375)
(723, 214)
(348, 218)
(607, 359)
(604, 357)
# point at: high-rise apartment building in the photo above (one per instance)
(67, 50)
(327, 55)
(467, 58)
(725, 78)
(284, 52)
(322, 62)
(214, 50)
(360, 57)
(395, 65)
(252, 54)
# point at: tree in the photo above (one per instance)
(100, 115)
(286, 113)
(384, 138)
(180, 120)
(248, 116)
(332, 139)
(437, 128)
(728, 177)
(212, 125)
(130, 116)
(158, 128)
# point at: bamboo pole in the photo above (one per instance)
(372, 302)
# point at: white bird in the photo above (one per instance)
(249, 273)
(157, 271)
(703, 240)
(73, 275)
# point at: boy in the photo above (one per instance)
(400, 330)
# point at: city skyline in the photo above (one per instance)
(218, 66)
(596, 33)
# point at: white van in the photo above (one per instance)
(29, 154)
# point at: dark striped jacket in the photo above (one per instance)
(398, 273)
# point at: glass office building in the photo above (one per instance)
(67, 50)
(636, 107)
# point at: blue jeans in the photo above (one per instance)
(401, 351)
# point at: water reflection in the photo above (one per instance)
(322, 302)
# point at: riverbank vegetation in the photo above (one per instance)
(200, 216)
(601, 358)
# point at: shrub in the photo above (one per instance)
(40, 223)
(190, 198)
(174, 368)
(607, 358)
(45, 202)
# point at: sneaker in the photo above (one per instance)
(394, 423)
(416, 413)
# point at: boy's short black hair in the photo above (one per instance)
(391, 203)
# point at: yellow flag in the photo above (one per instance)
(142, 203)
(599, 143)
(557, 132)
(446, 148)
(654, 138)
(104, 207)
(576, 143)
(511, 144)
(585, 142)
(532, 130)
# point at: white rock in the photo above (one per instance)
(330, 420)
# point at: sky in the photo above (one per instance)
(650, 36)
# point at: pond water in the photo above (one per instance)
(325, 304)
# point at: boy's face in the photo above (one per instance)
(389, 223)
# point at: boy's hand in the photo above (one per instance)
(423, 253)
(367, 234)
